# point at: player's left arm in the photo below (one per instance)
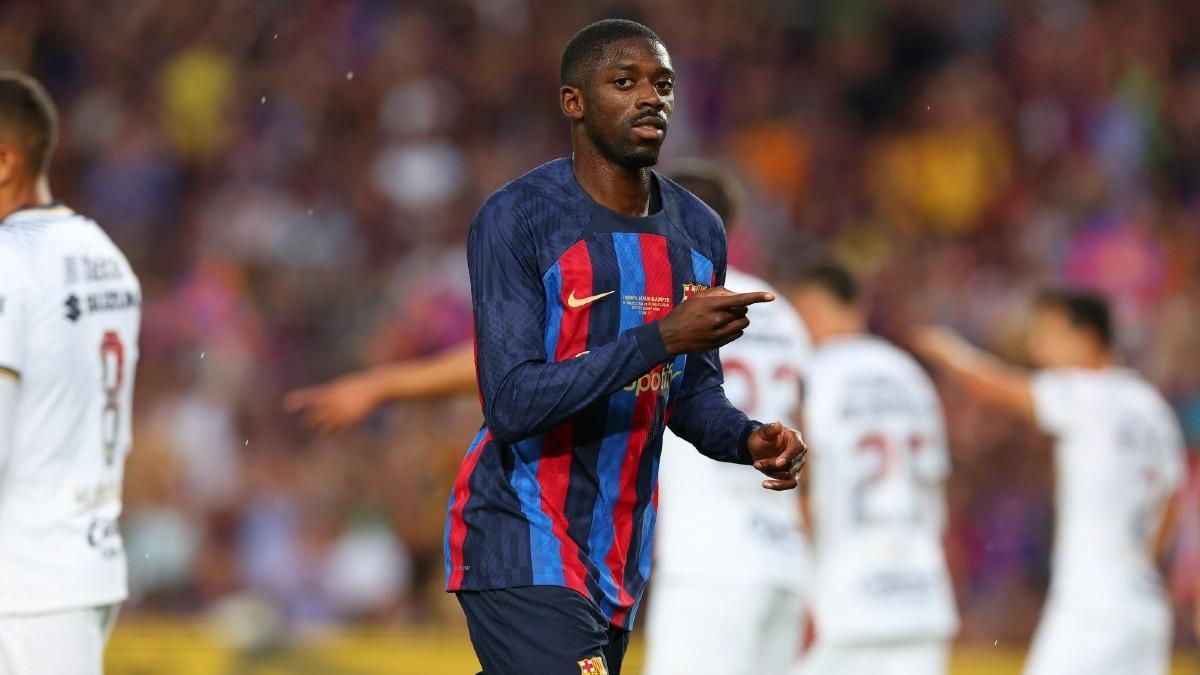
(984, 375)
(1171, 476)
(704, 417)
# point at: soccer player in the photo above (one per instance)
(69, 318)
(598, 313)
(882, 598)
(1119, 460)
(713, 518)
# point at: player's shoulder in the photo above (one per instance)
(698, 218)
(1079, 383)
(33, 235)
(1131, 383)
(15, 262)
(23, 238)
(1107, 388)
(27, 229)
(550, 184)
(853, 348)
(894, 353)
(869, 353)
(543, 196)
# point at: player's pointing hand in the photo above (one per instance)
(708, 320)
(779, 452)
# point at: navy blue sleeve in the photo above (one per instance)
(524, 391)
(702, 415)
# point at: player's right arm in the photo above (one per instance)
(524, 391)
(984, 375)
(8, 416)
(1166, 527)
(348, 399)
(14, 292)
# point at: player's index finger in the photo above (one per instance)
(743, 299)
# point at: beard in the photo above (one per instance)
(620, 150)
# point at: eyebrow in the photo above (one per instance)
(631, 67)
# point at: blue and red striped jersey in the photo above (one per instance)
(560, 486)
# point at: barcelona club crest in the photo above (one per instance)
(592, 666)
(691, 289)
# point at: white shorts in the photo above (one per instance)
(1072, 640)
(70, 642)
(709, 629)
(898, 658)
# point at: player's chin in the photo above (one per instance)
(641, 154)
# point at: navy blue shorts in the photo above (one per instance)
(541, 630)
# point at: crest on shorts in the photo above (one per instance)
(691, 289)
(593, 665)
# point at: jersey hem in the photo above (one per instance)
(520, 579)
(54, 608)
(701, 579)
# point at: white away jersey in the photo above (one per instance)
(69, 318)
(1119, 457)
(715, 520)
(878, 460)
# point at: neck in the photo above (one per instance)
(613, 186)
(1095, 360)
(836, 327)
(23, 194)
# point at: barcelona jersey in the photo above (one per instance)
(560, 486)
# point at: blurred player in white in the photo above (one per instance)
(69, 318)
(882, 598)
(715, 523)
(1119, 461)
(731, 561)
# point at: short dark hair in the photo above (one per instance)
(27, 113)
(713, 184)
(1084, 310)
(831, 277)
(587, 47)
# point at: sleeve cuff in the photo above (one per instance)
(744, 456)
(650, 343)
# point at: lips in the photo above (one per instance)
(652, 121)
(651, 127)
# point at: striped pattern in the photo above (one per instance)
(456, 533)
(576, 506)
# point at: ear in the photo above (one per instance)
(570, 100)
(10, 164)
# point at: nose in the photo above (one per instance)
(650, 97)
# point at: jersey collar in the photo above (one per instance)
(55, 206)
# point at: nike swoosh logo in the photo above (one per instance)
(575, 302)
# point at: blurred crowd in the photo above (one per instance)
(294, 181)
